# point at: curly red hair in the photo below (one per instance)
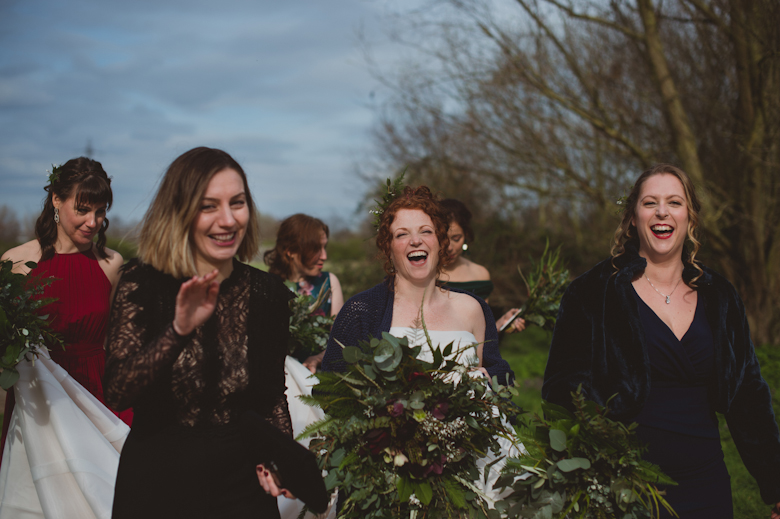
(421, 198)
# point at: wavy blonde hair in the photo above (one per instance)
(626, 232)
(165, 233)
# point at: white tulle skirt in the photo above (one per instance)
(298, 383)
(62, 451)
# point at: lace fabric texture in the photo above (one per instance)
(232, 363)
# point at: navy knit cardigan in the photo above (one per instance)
(370, 313)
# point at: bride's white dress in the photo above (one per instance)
(62, 451)
(466, 356)
(298, 383)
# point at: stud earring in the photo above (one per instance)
(56, 215)
(465, 247)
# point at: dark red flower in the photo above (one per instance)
(440, 410)
(378, 440)
(398, 410)
(416, 375)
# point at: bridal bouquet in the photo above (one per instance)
(583, 465)
(22, 327)
(402, 436)
(309, 326)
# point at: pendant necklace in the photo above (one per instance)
(668, 298)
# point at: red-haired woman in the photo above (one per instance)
(413, 240)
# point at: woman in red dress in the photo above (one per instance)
(74, 214)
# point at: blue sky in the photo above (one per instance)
(281, 86)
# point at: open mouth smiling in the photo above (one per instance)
(662, 230)
(417, 258)
(223, 239)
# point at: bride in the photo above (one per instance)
(413, 238)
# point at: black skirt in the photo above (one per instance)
(192, 473)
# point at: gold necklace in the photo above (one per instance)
(668, 298)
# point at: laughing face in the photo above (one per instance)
(661, 217)
(415, 247)
(220, 225)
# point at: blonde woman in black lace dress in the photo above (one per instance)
(197, 338)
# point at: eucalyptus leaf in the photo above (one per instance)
(558, 440)
(351, 354)
(8, 378)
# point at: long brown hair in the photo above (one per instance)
(165, 233)
(626, 231)
(298, 234)
(413, 198)
(86, 181)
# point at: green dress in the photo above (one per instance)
(481, 288)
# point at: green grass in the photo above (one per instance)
(526, 353)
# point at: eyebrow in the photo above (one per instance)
(242, 193)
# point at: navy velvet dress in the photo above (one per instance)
(678, 423)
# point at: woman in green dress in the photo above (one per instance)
(462, 273)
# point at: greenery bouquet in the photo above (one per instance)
(402, 436)
(545, 286)
(22, 326)
(582, 465)
(309, 326)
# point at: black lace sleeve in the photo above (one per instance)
(134, 360)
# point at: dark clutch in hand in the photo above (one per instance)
(295, 466)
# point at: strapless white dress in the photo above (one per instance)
(465, 353)
(62, 451)
(298, 383)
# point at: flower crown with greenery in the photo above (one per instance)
(392, 191)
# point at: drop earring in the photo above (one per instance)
(465, 247)
(56, 215)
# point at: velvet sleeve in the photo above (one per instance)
(751, 420)
(571, 350)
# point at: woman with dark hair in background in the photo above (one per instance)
(669, 338)
(196, 340)
(298, 257)
(462, 273)
(53, 421)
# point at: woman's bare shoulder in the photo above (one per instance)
(111, 264)
(30, 251)
(478, 272)
(465, 305)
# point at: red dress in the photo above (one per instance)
(80, 316)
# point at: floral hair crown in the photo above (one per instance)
(54, 174)
(392, 191)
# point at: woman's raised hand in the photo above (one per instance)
(195, 302)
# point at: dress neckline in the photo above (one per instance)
(655, 315)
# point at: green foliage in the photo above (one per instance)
(391, 192)
(309, 326)
(545, 284)
(22, 327)
(402, 436)
(125, 247)
(582, 465)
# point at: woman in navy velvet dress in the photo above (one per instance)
(670, 339)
